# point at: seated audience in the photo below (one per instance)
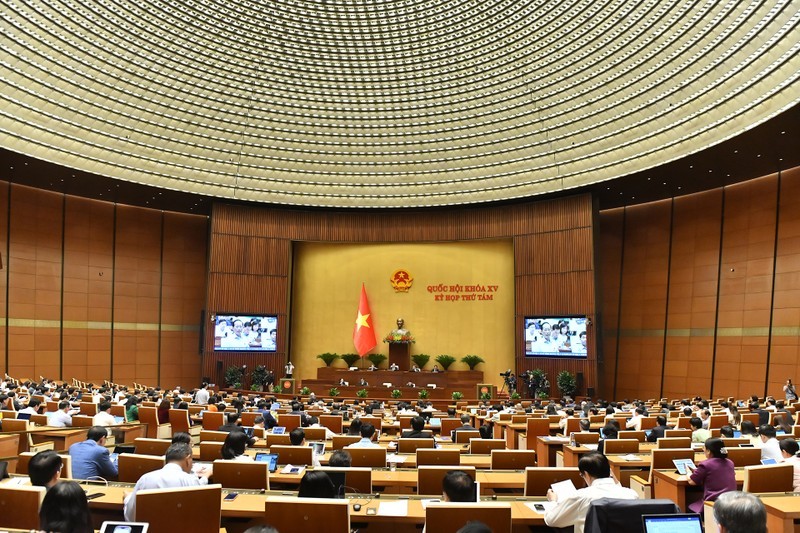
(789, 449)
(316, 484)
(183, 437)
(770, 449)
(297, 437)
(658, 431)
(749, 431)
(367, 435)
(175, 474)
(103, 417)
(231, 423)
(44, 469)
(596, 472)
(715, 474)
(699, 434)
(465, 425)
(458, 486)
(61, 418)
(740, 512)
(65, 509)
(340, 458)
(235, 445)
(726, 431)
(90, 458)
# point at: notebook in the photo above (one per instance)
(271, 458)
(672, 523)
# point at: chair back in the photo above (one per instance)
(447, 517)
(289, 421)
(411, 445)
(82, 421)
(87, 408)
(538, 479)
(648, 422)
(448, 425)
(674, 442)
(213, 436)
(332, 422)
(438, 456)
(405, 422)
(376, 421)
(132, 466)
(20, 506)
(315, 433)
(769, 478)
(279, 440)
(752, 417)
(429, 478)
(151, 446)
(611, 515)
(744, 456)
(356, 479)
(637, 435)
(210, 450)
(586, 438)
(485, 446)
(661, 458)
(717, 421)
(248, 418)
(294, 455)
(179, 420)
(612, 446)
(241, 474)
(368, 457)
(182, 509)
(212, 420)
(149, 416)
(573, 425)
(734, 443)
(684, 422)
(513, 459)
(22, 426)
(340, 441)
(678, 433)
(287, 513)
(25, 458)
(466, 435)
(537, 427)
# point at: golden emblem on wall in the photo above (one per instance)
(401, 280)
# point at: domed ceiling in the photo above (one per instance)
(369, 103)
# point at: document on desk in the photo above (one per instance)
(394, 458)
(395, 508)
(564, 489)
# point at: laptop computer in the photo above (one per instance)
(124, 527)
(271, 458)
(119, 419)
(319, 447)
(672, 523)
(435, 422)
(248, 430)
(23, 416)
(124, 448)
(737, 434)
(278, 430)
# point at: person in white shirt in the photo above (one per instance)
(61, 418)
(202, 395)
(705, 417)
(635, 422)
(32, 408)
(175, 474)
(770, 448)
(297, 437)
(789, 449)
(571, 510)
(367, 433)
(103, 417)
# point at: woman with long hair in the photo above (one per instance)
(65, 509)
(316, 484)
(715, 474)
(234, 446)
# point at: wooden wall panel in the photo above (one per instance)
(5, 190)
(694, 268)
(88, 286)
(643, 300)
(609, 256)
(554, 260)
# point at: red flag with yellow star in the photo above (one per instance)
(363, 332)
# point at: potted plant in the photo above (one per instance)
(362, 393)
(423, 394)
(538, 380)
(566, 383)
(515, 395)
(258, 378)
(328, 358)
(350, 358)
(234, 376)
(421, 359)
(376, 359)
(472, 361)
(456, 395)
(305, 391)
(396, 393)
(445, 360)
(334, 392)
(486, 396)
(277, 388)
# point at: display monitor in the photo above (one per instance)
(555, 336)
(238, 332)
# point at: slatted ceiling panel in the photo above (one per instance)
(250, 255)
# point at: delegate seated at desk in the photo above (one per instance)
(90, 458)
(416, 431)
(596, 472)
(175, 474)
(367, 436)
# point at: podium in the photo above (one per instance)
(399, 354)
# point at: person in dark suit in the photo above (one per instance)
(465, 425)
(416, 431)
(763, 414)
(232, 423)
(658, 431)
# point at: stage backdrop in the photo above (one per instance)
(461, 300)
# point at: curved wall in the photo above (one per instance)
(701, 292)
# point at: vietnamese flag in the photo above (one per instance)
(364, 333)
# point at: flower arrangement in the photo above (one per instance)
(396, 337)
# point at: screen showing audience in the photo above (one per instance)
(555, 336)
(234, 333)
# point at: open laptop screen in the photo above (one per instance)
(271, 458)
(672, 523)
